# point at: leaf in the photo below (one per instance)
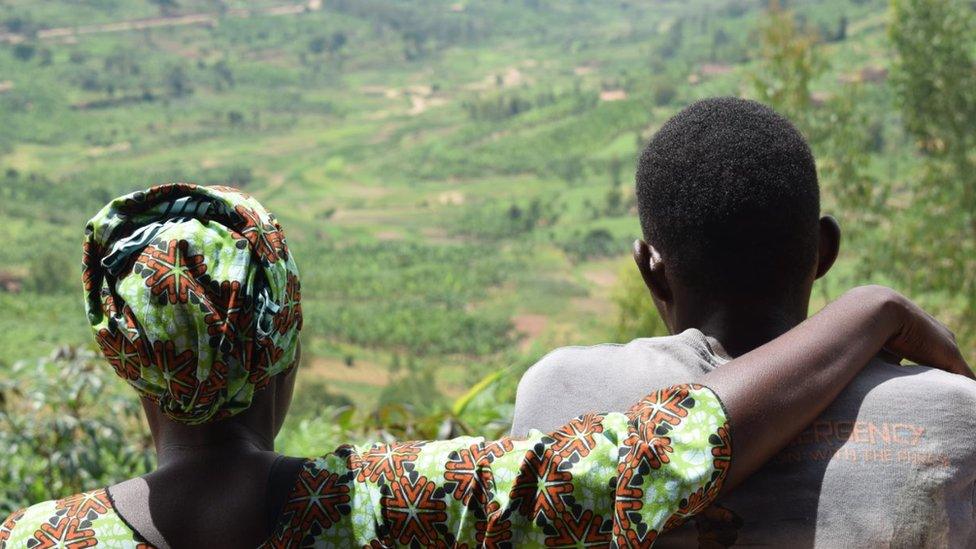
(461, 404)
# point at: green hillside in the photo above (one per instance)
(454, 177)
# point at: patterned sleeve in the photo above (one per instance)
(600, 478)
(83, 520)
(7, 527)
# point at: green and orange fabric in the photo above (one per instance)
(600, 480)
(193, 297)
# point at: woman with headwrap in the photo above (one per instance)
(195, 301)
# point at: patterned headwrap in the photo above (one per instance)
(193, 297)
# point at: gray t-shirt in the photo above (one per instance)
(891, 463)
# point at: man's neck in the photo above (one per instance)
(739, 329)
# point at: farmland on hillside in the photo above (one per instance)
(455, 178)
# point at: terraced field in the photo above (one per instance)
(455, 177)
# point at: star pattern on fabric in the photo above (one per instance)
(211, 387)
(542, 484)
(171, 271)
(223, 305)
(178, 370)
(125, 355)
(111, 306)
(318, 500)
(91, 253)
(66, 532)
(291, 310)
(267, 240)
(648, 478)
(495, 449)
(388, 461)
(268, 354)
(667, 407)
(8, 525)
(468, 472)
(653, 452)
(412, 494)
(493, 529)
(587, 530)
(414, 511)
(578, 437)
(721, 442)
(70, 527)
(80, 504)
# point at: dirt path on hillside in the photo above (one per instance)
(363, 372)
(208, 19)
(530, 326)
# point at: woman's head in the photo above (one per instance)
(193, 297)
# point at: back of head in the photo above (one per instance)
(727, 192)
(193, 297)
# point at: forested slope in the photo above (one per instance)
(454, 177)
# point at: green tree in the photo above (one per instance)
(414, 388)
(789, 63)
(934, 78)
(615, 196)
(844, 141)
(841, 34)
(166, 7)
(24, 52)
(337, 41)
(838, 128)
(178, 81)
(720, 43)
(67, 424)
(664, 92)
(224, 76)
(52, 272)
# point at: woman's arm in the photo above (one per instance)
(604, 477)
(776, 390)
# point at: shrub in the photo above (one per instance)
(67, 424)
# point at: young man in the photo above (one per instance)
(729, 205)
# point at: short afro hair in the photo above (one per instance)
(727, 192)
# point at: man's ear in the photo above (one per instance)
(651, 268)
(829, 244)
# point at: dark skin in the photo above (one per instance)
(223, 468)
(740, 324)
(760, 329)
(212, 487)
